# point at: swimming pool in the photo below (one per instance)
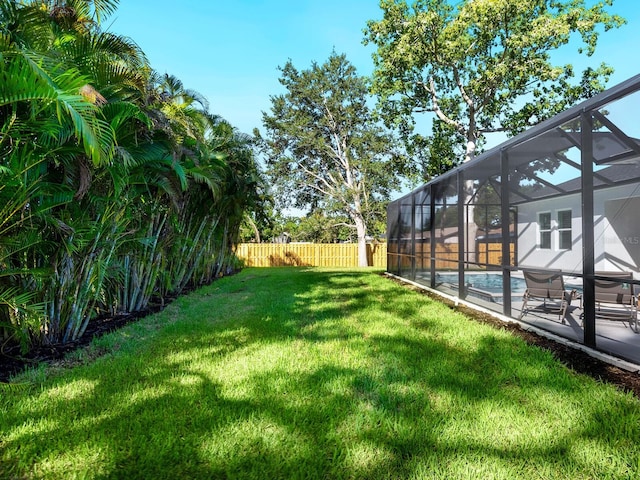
(490, 282)
(483, 282)
(488, 285)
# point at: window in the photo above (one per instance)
(544, 230)
(564, 230)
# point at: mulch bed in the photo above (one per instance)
(13, 362)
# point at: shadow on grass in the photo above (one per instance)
(327, 375)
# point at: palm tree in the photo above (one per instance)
(117, 183)
(44, 118)
(243, 185)
(50, 110)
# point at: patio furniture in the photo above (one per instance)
(616, 298)
(546, 287)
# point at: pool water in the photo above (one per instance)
(488, 282)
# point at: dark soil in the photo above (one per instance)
(11, 362)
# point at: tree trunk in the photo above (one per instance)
(361, 230)
(471, 228)
(253, 226)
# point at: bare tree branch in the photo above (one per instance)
(436, 107)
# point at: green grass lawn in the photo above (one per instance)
(314, 373)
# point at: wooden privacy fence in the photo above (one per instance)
(446, 255)
(490, 254)
(346, 254)
(309, 254)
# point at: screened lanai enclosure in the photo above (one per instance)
(544, 228)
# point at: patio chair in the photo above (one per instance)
(546, 287)
(616, 299)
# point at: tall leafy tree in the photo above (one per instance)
(483, 66)
(314, 227)
(324, 149)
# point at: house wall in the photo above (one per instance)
(530, 255)
(616, 231)
(620, 237)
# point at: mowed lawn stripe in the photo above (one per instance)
(315, 373)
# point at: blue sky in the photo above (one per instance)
(230, 50)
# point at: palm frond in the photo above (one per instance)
(25, 80)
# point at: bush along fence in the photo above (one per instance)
(309, 254)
